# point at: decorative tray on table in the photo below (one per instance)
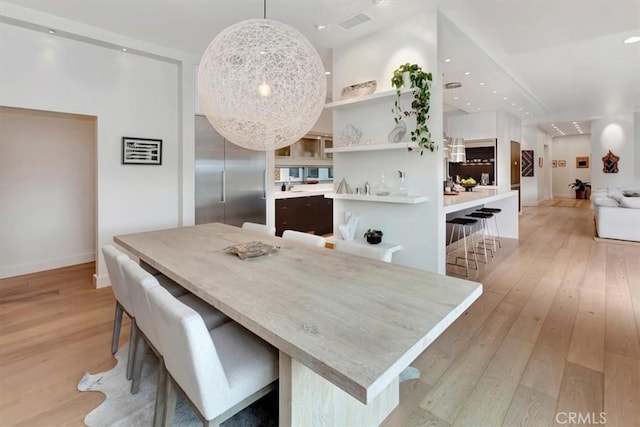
(252, 249)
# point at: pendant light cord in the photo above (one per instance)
(265, 9)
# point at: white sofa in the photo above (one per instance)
(617, 215)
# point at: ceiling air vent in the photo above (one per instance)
(453, 85)
(351, 22)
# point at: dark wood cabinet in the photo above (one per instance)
(313, 214)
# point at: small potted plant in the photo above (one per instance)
(419, 81)
(582, 189)
(373, 236)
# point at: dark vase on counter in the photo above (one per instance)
(374, 240)
(373, 236)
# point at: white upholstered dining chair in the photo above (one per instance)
(220, 371)
(259, 228)
(362, 250)
(115, 259)
(140, 282)
(306, 238)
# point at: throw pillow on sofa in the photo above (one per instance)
(616, 195)
(604, 201)
(630, 202)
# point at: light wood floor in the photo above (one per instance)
(555, 332)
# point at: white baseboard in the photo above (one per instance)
(101, 281)
(43, 265)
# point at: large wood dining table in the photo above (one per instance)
(345, 326)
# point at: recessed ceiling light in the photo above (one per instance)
(575, 123)
(634, 39)
(455, 97)
(494, 91)
(513, 103)
(468, 103)
(378, 1)
(447, 60)
(320, 26)
(327, 73)
(467, 73)
(52, 31)
(504, 98)
(481, 83)
(478, 108)
(124, 49)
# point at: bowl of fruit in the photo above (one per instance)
(468, 183)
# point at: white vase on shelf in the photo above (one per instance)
(397, 133)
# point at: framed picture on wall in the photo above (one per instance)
(527, 162)
(141, 151)
(554, 163)
(582, 162)
(562, 163)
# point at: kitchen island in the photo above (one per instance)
(468, 201)
(305, 209)
(346, 326)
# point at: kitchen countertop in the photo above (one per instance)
(304, 190)
(293, 194)
(468, 199)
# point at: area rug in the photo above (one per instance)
(123, 409)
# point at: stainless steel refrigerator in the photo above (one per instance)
(230, 181)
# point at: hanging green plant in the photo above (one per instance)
(419, 81)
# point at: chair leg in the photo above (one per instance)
(160, 394)
(138, 362)
(117, 324)
(133, 339)
(170, 400)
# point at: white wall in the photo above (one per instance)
(47, 190)
(534, 189)
(471, 126)
(567, 148)
(419, 228)
(636, 145)
(621, 136)
(509, 128)
(131, 95)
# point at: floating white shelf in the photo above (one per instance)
(372, 147)
(409, 200)
(363, 100)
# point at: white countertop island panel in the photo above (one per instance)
(507, 200)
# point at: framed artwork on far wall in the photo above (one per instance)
(562, 163)
(141, 151)
(527, 162)
(582, 161)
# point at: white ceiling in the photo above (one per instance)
(559, 61)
